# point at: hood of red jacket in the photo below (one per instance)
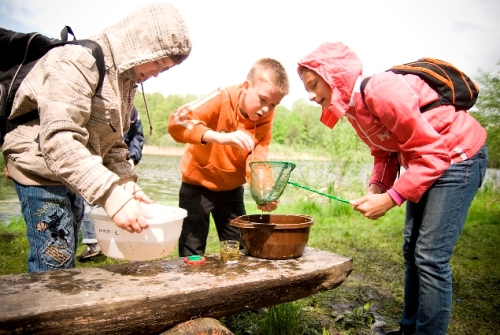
(339, 66)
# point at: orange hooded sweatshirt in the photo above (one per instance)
(212, 165)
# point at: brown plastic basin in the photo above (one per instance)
(274, 236)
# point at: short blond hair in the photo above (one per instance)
(272, 72)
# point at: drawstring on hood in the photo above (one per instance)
(341, 69)
(147, 111)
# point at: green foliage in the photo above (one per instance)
(13, 247)
(280, 128)
(488, 112)
(242, 323)
(358, 317)
(282, 320)
(159, 108)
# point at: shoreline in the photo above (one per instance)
(179, 151)
(162, 151)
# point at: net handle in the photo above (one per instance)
(318, 192)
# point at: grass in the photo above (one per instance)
(374, 290)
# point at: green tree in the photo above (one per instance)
(160, 108)
(295, 130)
(488, 112)
(280, 124)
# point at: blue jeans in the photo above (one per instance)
(52, 215)
(431, 231)
(88, 232)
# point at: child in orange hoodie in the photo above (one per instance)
(225, 131)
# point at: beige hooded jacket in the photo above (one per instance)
(78, 139)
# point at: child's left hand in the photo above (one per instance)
(270, 206)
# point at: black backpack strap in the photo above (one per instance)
(96, 52)
(98, 55)
(431, 105)
(423, 109)
(362, 88)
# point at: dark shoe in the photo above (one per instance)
(91, 251)
(397, 332)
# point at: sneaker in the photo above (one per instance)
(91, 251)
(397, 332)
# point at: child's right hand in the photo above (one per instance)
(131, 217)
(270, 206)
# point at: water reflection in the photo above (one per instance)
(160, 178)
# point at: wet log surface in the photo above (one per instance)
(150, 297)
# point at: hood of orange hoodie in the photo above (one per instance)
(340, 67)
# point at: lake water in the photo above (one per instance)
(160, 178)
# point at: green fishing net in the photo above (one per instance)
(269, 180)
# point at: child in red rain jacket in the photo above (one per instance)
(444, 155)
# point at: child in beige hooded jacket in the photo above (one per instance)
(76, 148)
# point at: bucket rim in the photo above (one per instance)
(174, 213)
(241, 223)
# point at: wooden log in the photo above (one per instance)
(200, 326)
(150, 297)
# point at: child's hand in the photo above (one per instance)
(373, 206)
(270, 206)
(6, 173)
(239, 138)
(142, 197)
(131, 217)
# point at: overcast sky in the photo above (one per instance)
(229, 35)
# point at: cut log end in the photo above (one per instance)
(200, 326)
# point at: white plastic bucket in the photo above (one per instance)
(158, 241)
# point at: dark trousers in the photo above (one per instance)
(200, 202)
